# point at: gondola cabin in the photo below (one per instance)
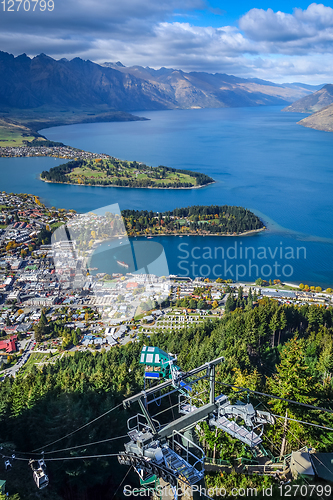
(39, 473)
(157, 363)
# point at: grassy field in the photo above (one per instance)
(124, 170)
(35, 357)
(38, 357)
(55, 225)
(12, 134)
(281, 287)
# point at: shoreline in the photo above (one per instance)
(128, 187)
(250, 232)
(116, 237)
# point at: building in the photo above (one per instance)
(111, 341)
(6, 284)
(16, 264)
(110, 331)
(131, 285)
(301, 465)
(88, 337)
(15, 295)
(148, 319)
(287, 294)
(11, 330)
(98, 341)
(2, 486)
(9, 344)
(323, 465)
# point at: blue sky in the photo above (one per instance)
(230, 11)
(281, 41)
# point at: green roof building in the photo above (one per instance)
(2, 486)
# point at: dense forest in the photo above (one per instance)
(58, 174)
(114, 172)
(44, 143)
(197, 219)
(280, 350)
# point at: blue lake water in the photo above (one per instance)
(260, 158)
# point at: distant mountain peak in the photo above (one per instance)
(313, 102)
(113, 64)
(42, 56)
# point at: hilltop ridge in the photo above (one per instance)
(320, 105)
(42, 82)
(313, 102)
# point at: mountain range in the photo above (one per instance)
(320, 105)
(313, 102)
(43, 82)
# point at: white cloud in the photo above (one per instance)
(266, 44)
(316, 14)
(304, 31)
(210, 41)
(266, 25)
(313, 69)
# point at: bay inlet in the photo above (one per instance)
(261, 159)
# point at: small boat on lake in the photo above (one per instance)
(122, 264)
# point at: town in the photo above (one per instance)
(52, 304)
(60, 151)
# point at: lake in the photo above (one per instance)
(261, 160)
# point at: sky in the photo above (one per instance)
(280, 41)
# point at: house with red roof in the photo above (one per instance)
(9, 344)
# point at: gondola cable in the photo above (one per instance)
(125, 476)
(64, 458)
(73, 447)
(322, 464)
(77, 430)
(305, 423)
(306, 405)
(87, 457)
(39, 466)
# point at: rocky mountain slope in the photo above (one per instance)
(321, 120)
(206, 90)
(320, 104)
(42, 82)
(313, 102)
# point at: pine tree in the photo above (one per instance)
(251, 330)
(293, 379)
(230, 303)
(283, 323)
(39, 330)
(43, 319)
(274, 325)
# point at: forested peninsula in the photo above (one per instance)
(195, 220)
(110, 171)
